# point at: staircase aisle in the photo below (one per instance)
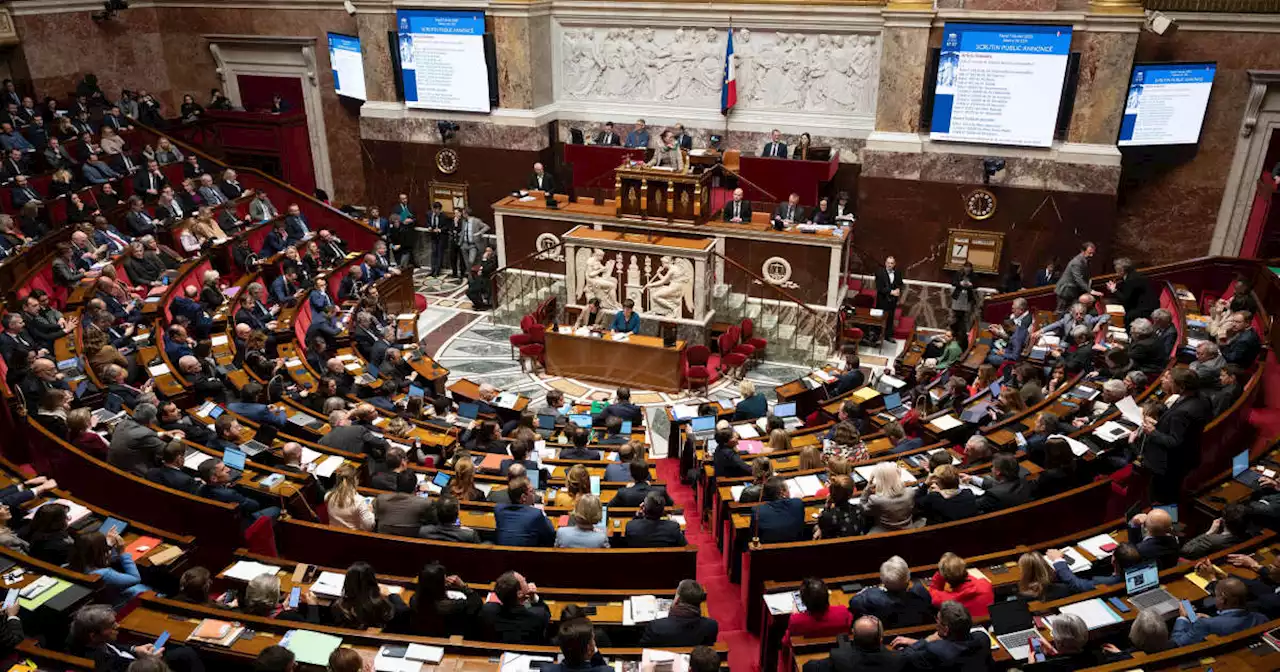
(723, 599)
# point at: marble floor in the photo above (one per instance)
(472, 346)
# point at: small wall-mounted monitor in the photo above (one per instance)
(1166, 103)
(347, 62)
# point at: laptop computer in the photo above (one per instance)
(787, 410)
(626, 427)
(546, 425)
(234, 459)
(261, 441)
(582, 420)
(893, 405)
(468, 411)
(1241, 472)
(1011, 622)
(1142, 584)
(415, 391)
(703, 427)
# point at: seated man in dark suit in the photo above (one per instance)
(866, 651)
(1123, 557)
(446, 527)
(951, 647)
(541, 180)
(901, 444)
(217, 479)
(1152, 533)
(898, 602)
(579, 450)
(519, 523)
(170, 473)
(780, 517)
(352, 285)
(172, 419)
(518, 617)
(852, 378)
(275, 242)
(1239, 343)
(621, 408)
(1146, 352)
(520, 449)
(1003, 488)
(93, 635)
(788, 213)
(684, 625)
(633, 495)
(738, 210)
(613, 435)
(396, 464)
(650, 530)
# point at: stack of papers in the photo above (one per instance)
(1094, 545)
(325, 469)
(1078, 447)
(328, 584)
(745, 431)
(507, 400)
(158, 370)
(946, 422)
(218, 633)
(1075, 561)
(663, 661)
(1130, 410)
(247, 570)
(1095, 613)
(644, 608)
(865, 472)
(620, 336)
(75, 512)
(684, 411)
(194, 459)
(1111, 431)
(805, 486)
(782, 603)
(521, 662)
(736, 491)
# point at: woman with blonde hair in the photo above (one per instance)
(463, 486)
(583, 533)
(110, 141)
(1036, 580)
(210, 295)
(810, 456)
(347, 508)
(986, 376)
(201, 230)
(165, 153)
(886, 502)
(577, 483)
(752, 405)
(61, 183)
(780, 440)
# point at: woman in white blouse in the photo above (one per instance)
(347, 508)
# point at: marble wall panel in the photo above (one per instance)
(515, 73)
(379, 74)
(905, 57)
(1169, 201)
(469, 134)
(1025, 172)
(1106, 59)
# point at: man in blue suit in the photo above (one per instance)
(1230, 595)
(780, 517)
(177, 343)
(296, 224)
(275, 242)
(519, 523)
(249, 407)
(622, 409)
(217, 478)
(1125, 556)
(626, 320)
(284, 287)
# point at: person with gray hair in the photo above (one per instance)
(1207, 364)
(864, 651)
(1135, 382)
(1113, 391)
(1165, 332)
(1148, 634)
(1068, 649)
(94, 633)
(1133, 291)
(1077, 315)
(135, 446)
(1146, 351)
(899, 602)
(1078, 356)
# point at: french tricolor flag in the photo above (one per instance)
(729, 93)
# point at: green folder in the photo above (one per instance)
(47, 595)
(596, 407)
(312, 647)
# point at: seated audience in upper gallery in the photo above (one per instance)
(684, 624)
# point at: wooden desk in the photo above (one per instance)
(640, 361)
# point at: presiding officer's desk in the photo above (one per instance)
(641, 362)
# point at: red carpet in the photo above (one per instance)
(723, 600)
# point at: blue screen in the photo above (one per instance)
(785, 410)
(703, 423)
(1165, 104)
(1141, 578)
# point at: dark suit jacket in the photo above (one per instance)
(750, 408)
(520, 525)
(883, 287)
(1135, 293)
(613, 140)
(786, 211)
(970, 655)
(1164, 550)
(779, 521)
(684, 627)
(849, 381)
(1173, 448)
(777, 149)
(649, 533)
(744, 211)
(1243, 349)
(911, 607)
(633, 495)
(1003, 495)
(727, 463)
(847, 658)
(622, 411)
(173, 478)
(358, 438)
(134, 447)
(548, 182)
(517, 625)
(1148, 355)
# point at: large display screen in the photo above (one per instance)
(1000, 84)
(442, 60)
(1166, 103)
(348, 65)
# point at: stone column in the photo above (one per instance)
(522, 41)
(1106, 47)
(374, 20)
(903, 60)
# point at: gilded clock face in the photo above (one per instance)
(980, 204)
(447, 161)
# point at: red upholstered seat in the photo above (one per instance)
(419, 302)
(854, 284)
(521, 338)
(852, 335)
(534, 350)
(260, 538)
(696, 372)
(748, 327)
(864, 299)
(736, 344)
(903, 326)
(731, 362)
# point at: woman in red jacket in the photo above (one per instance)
(954, 582)
(819, 619)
